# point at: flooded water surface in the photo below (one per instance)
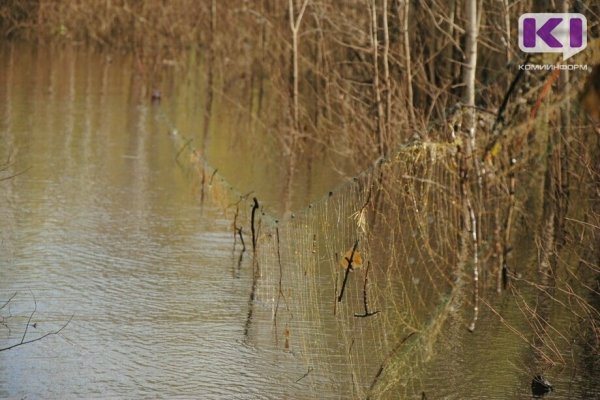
(103, 227)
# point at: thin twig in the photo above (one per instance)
(239, 231)
(22, 343)
(30, 317)
(509, 92)
(280, 288)
(185, 145)
(348, 269)
(305, 375)
(14, 175)
(367, 313)
(212, 176)
(8, 301)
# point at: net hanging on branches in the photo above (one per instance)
(358, 283)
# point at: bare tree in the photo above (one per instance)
(469, 69)
(386, 68)
(469, 76)
(295, 22)
(376, 82)
(405, 10)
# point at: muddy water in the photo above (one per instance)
(102, 225)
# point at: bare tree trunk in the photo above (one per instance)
(210, 78)
(295, 132)
(469, 70)
(507, 29)
(407, 63)
(376, 81)
(470, 66)
(295, 27)
(403, 13)
(386, 69)
(562, 162)
(264, 45)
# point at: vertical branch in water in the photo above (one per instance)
(241, 257)
(202, 184)
(234, 224)
(252, 224)
(335, 289)
(255, 274)
(239, 231)
(279, 288)
(498, 247)
(235, 227)
(475, 269)
(367, 313)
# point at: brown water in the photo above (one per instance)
(105, 226)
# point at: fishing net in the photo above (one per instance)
(358, 283)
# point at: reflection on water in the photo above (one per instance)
(104, 226)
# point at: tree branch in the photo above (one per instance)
(22, 343)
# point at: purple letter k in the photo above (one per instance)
(545, 32)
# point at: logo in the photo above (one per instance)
(564, 33)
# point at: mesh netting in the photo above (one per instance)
(358, 283)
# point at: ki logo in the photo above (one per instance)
(564, 33)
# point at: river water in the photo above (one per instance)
(102, 230)
(105, 227)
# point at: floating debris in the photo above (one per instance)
(540, 386)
